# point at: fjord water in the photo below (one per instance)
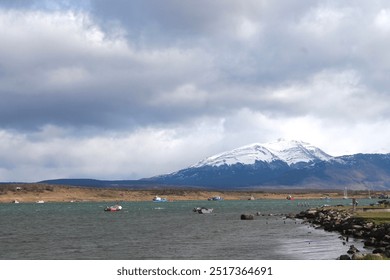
(171, 230)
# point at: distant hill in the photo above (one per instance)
(128, 184)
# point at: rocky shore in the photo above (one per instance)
(375, 236)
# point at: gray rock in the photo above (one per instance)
(370, 242)
(358, 256)
(379, 251)
(352, 250)
(344, 257)
(247, 216)
(358, 227)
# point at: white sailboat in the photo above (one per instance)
(345, 193)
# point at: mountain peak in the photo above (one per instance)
(289, 151)
(284, 163)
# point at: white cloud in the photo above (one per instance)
(325, 19)
(54, 152)
(248, 29)
(382, 20)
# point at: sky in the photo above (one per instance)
(132, 89)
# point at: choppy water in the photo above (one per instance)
(148, 230)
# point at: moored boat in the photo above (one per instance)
(203, 210)
(215, 198)
(113, 208)
(159, 199)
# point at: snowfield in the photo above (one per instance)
(288, 151)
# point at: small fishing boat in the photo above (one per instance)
(215, 198)
(113, 208)
(159, 199)
(203, 210)
(289, 197)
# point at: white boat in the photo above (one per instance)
(203, 210)
(15, 201)
(113, 208)
(159, 199)
(40, 201)
(215, 198)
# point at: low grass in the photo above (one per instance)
(378, 217)
(374, 257)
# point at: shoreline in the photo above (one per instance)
(348, 223)
(31, 192)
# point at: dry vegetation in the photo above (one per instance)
(55, 193)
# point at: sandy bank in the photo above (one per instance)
(54, 193)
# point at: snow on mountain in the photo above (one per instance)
(291, 152)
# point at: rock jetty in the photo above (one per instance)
(375, 236)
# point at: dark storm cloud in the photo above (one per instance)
(294, 38)
(156, 77)
(133, 63)
(87, 79)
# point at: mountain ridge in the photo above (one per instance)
(281, 164)
(291, 152)
(289, 164)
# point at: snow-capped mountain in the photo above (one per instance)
(290, 152)
(284, 164)
(279, 164)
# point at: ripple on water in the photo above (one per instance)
(172, 231)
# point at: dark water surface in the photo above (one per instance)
(149, 230)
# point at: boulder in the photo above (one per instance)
(344, 257)
(379, 251)
(352, 250)
(358, 256)
(370, 242)
(311, 213)
(357, 227)
(247, 216)
(368, 226)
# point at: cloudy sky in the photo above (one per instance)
(130, 89)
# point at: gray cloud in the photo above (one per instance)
(225, 73)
